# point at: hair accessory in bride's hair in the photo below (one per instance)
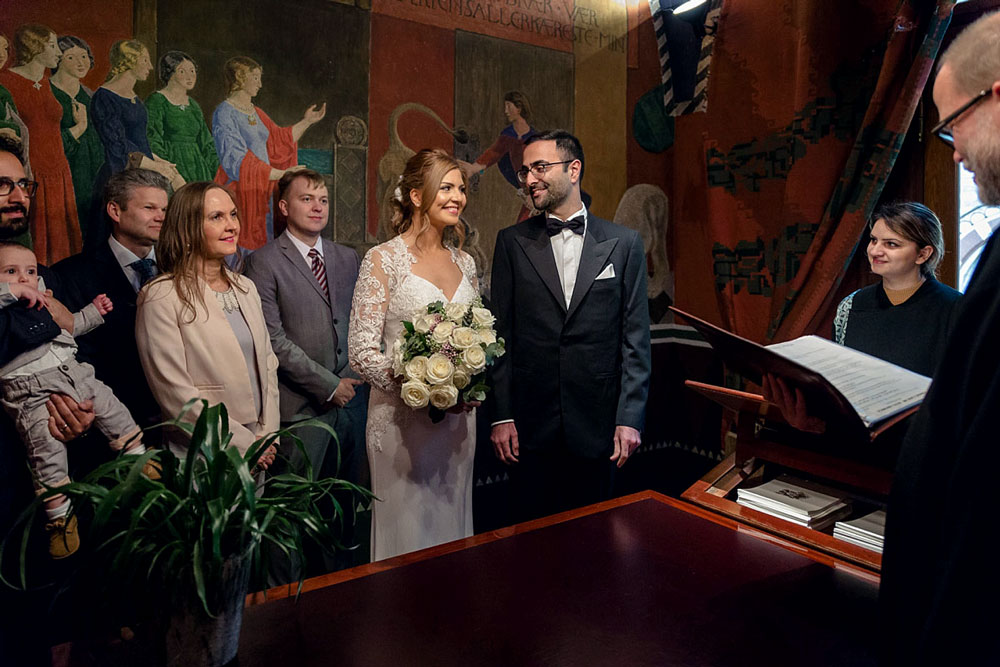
(397, 194)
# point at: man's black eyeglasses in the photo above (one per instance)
(538, 169)
(7, 186)
(943, 129)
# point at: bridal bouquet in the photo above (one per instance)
(444, 350)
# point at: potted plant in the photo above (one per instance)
(191, 539)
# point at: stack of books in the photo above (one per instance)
(867, 532)
(803, 503)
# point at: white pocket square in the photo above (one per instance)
(608, 272)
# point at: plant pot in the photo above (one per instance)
(195, 639)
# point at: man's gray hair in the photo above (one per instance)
(120, 186)
(974, 56)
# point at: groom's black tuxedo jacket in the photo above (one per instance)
(571, 375)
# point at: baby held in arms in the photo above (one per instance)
(29, 379)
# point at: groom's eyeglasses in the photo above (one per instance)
(537, 168)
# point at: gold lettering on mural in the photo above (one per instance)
(549, 20)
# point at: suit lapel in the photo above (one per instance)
(596, 249)
(538, 249)
(108, 265)
(292, 254)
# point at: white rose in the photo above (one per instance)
(415, 394)
(483, 317)
(416, 368)
(439, 369)
(456, 311)
(474, 358)
(487, 336)
(443, 396)
(463, 337)
(460, 378)
(442, 332)
(422, 323)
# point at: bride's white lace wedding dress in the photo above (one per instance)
(421, 471)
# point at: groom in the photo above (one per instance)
(569, 295)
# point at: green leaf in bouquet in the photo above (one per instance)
(409, 327)
(435, 308)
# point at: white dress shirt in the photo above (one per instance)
(125, 257)
(304, 249)
(567, 246)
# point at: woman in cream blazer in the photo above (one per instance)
(200, 330)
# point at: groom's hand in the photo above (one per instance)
(626, 440)
(504, 438)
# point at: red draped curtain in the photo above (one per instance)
(808, 106)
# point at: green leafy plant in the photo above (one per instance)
(174, 535)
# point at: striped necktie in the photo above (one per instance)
(319, 270)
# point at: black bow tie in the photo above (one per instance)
(554, 225)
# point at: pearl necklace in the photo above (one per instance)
(251, 117)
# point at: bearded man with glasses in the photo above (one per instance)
(569, 295)
(938, 572)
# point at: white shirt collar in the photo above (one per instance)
(303, 248)
(126, 256)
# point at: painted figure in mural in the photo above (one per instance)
(646, 209)
(393, 162)
(121, 119)
(177, 130)
(507, 151)
(9, 124)
(83, 147)
(253, 150)
(55, 228)
(421, 471)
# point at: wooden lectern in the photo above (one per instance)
(849, 457)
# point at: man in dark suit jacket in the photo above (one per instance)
(306, 284)
(25, 617)
(569, 295)
(136, 203)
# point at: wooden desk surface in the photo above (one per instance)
(641, 580)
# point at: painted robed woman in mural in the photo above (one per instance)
(83, 147)
(55, 226)
(507, 152)
(177, 131)
(9, 124)
(120, 117)
(253, 150)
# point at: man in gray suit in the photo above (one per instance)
(306, 284)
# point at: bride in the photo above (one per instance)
(421, 471)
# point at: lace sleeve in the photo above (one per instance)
(364, 338)
(468, 266)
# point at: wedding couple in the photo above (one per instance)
(569, 397)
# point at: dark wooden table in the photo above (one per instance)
(641, 580)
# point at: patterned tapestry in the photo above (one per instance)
(808, 108)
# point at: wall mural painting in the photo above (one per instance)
(239, 91)
(504, 91)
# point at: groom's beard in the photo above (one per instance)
(551, 195)
(13, 221)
